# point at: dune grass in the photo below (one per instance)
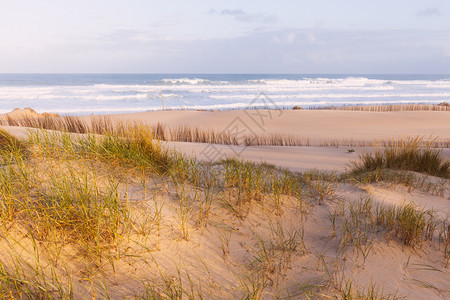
(412, 154)
(411, 225)
(365, 223)
(57, 192)
(131, 145)
(60, 196)
(79, 213)
(11, 147)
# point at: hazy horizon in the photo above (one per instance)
(187, 73)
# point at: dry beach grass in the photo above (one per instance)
(200, 134)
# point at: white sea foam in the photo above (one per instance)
(192, 81)
(201, 93)
(333, 96)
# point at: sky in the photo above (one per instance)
(246, 36)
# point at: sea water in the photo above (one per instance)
(77, 94)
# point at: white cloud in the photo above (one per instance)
(447, 52)
(286, 38)
(291, 37)
(311, 38)
(429, 12)
(243, 16)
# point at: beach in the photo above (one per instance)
(164, 150)
(238, 219)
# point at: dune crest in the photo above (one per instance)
(18, 113)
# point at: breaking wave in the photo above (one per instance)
(132, 93)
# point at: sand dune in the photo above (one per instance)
(321, 238)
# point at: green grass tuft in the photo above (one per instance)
(412, 154)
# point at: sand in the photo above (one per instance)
(420, 273)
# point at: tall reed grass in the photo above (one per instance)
(183, 133)
(389, 107)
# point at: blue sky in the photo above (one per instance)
(199, 36)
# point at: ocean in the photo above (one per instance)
(78, 94)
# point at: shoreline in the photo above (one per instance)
(381, 107)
